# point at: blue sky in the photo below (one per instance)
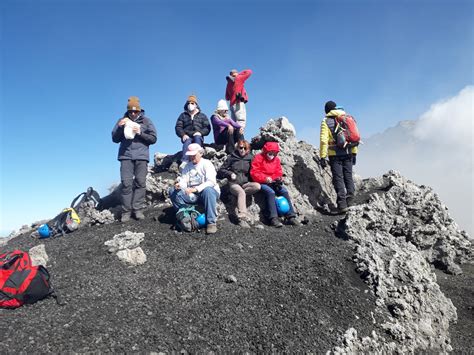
(68, 67)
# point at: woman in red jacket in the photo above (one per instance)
(266, 170)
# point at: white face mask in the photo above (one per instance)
(191, 107)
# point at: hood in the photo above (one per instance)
(271, 146)
(335, 113)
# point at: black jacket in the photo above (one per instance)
(186, 125)
(136, 148)
(238, 165)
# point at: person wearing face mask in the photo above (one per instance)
(197, 184)
(237, 170)
(266, 170)
(192, 125)
(135, 133)
(226, 131)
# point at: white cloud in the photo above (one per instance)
(434, 150)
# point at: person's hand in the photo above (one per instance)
(241, 130)
(176, 185)
(184, 138)
(230, 129)
(268, 179)
(233, 176)
(121, 122)
(190, 190)
(197, 134)
(137, 129)
(323, 163)
(354, 159)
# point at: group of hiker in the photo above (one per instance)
(246, 174)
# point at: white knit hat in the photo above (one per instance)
(222, 105)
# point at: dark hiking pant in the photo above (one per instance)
(229, 139)
(341, 168)
(133, 176)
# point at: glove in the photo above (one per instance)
(354, 158)
(323, 163)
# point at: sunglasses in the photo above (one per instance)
(242, 148)
(134, 111)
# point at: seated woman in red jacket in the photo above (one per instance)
(266, 170)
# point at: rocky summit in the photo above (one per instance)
(394, 274)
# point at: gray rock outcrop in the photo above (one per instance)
(399, 234)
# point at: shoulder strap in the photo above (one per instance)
(77, 198)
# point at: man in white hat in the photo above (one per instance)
(198, 185)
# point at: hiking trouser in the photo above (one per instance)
(241, 192)
(270, 194)
(194, 139)
(207, 197)
(133, 176)
(341, 168)
(229, 139)
(238, 113)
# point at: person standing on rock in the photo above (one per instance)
(341, 160)
(236, 94)
(237, 170)
(198, 184)
(135, 132)
(266, 170)
(226, 131)
(192, 125)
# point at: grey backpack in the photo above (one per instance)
(186, 219)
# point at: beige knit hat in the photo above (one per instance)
(133, 104)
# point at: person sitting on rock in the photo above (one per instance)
(198, 184)
(266, 170)
(226, 131)
(237, 170)
(192, 125)
(341, 160)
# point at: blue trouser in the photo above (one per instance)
(341, 168)
(133, 177)
(194, 139)
(270, 194)
(207, 197)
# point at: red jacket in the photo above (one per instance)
(237, 86)
(262, 167)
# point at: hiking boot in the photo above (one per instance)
(292, 221)
(342, 209)
(211, 228)
(125, 217)
(139, 215)
(350, 200)
(275, 222)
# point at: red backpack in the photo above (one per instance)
(346, 132)
(20, 282)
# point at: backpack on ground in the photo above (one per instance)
(20, 281)
(346, 133)
(186, 219)
(89, 195)
(65, 222)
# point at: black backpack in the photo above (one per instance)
(186, 219)
(89, 195)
